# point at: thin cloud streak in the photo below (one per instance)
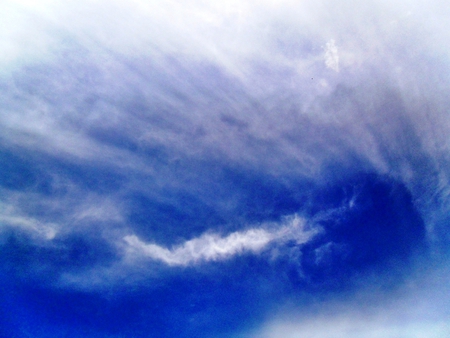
(47, 231)
(212, 247)
(204, 248)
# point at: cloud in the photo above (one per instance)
(14, 215)
(351, 326)
(135, 258)
(332, 56)
(138, 137)
(47, 231)
(158, 92)
(127, 73)
(204, 248)
(417, 308)
(53, 217)
(212, 247)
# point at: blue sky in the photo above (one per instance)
(224, 169)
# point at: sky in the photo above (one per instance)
(248, 169)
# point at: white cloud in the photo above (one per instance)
(205, 248)
(47, 217)
(233, 36)
(271, 52)
(11, 218)
(353, 327)
(417, 309)
(19, 43)
(332, 56)
(212, 247)
(96, 208)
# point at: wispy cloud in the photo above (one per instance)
(141, 137)
(145, 88)
(47, 231)
(242, 83)
(212, 247)
(205, 248)
(53, 217)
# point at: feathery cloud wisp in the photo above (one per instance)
(212, 247)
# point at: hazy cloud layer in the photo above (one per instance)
(418, 309)
(140, 136)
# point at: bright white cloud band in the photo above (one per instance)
(212, 247)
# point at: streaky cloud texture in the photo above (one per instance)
(211, 247)
(224, 168)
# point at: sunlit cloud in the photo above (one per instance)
(212, 247)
